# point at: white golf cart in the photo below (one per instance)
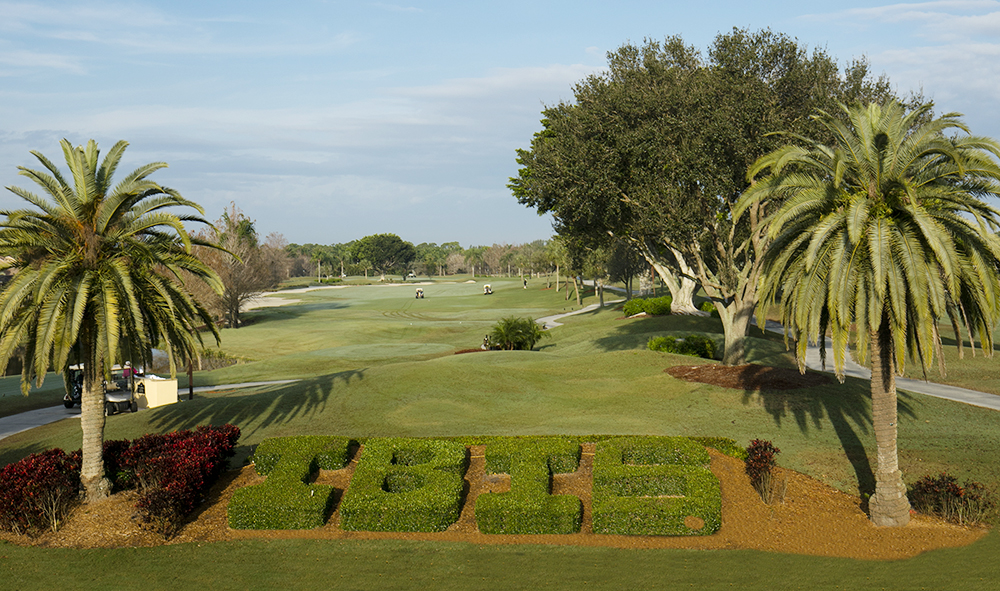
(119, 392)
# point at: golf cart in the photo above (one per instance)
(119, 392)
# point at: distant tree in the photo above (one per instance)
(245, 266)
(97, 282)
(385, 252)
(475, 257)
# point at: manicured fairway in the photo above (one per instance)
(377, 362)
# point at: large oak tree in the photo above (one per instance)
(655, 151)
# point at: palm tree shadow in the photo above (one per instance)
(846, 406)
(259, 411)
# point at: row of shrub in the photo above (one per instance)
(530, 507)
(288, 499)
(652, 306)
(172, 472)
(654, 486)
(694, 345)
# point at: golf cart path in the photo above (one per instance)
(856, 370)
(36, 418)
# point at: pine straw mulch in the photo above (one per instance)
(811, 518)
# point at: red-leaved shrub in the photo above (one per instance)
(37, 492)
(760, 460)
(968, 503)
(171, 471)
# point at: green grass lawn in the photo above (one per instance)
(377, 362)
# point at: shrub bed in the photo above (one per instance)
(286, 500)
(174, 471)
(653, 486)
(405, 485)
(695, 345)
(967, 503)
(652, 306)
(530, 507)
(37, 492)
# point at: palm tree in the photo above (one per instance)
(97, 280)
(882, 235)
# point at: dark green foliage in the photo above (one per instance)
(710, 308)
(694, 345)
(405, 485)
(286, 500)
(968, 503)
(530, 507)
(384, 252)
(513, 333)
(652, 306)
(651, 485)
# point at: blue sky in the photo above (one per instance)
(327, 120)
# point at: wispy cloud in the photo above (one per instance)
(33, 60)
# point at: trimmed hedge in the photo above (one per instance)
(652, 306)
(650, 485)
(723, 445)
(405, 485)
(286, 500)
(530, 507)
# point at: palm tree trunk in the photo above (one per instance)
(95, 485)
(889, 506)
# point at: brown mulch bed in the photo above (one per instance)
(748, 377)
(811, 519)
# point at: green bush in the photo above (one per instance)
(651, 485)
(405, 485)
(634, 306)
(658, 306)
(652, 306)
(530, 507)
(286, 500)
(694, 345)
(516, 334)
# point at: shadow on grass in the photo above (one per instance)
(264, 411)
(847, 406)
(275, 313)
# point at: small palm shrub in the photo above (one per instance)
(694, 345)
(970, 503)
(513, 333)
